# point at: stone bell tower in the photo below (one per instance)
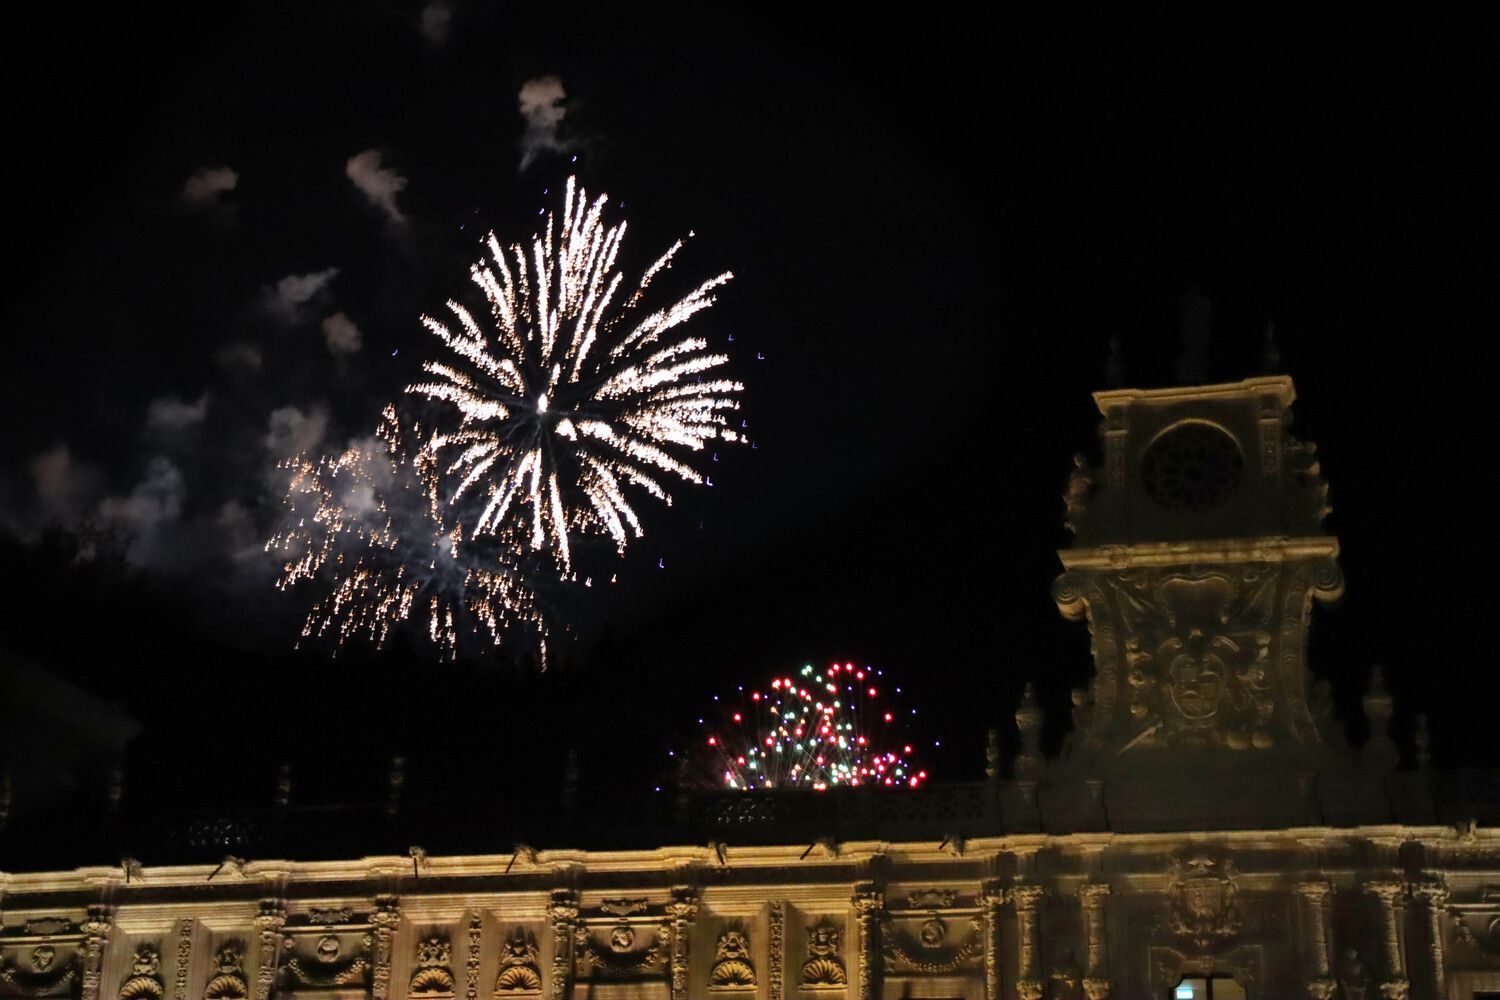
(1198, 550)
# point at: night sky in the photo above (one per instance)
(936, 228)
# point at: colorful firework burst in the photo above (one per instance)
(371, 524)
(815, 730)
(572, 399)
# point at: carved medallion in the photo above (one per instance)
(732, 968)
(929, 949)
(618, 957)
(824, 969)
(326, 967)
(44, 975)
(520, 966)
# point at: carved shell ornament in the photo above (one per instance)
(732, 968)
(520, 966)
(824, 969)
(433, 979)
(144, 980)
(228, 980)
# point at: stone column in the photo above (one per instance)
(562, 912)
(1320, 981)
(268, 924)
(184, 958)
(1389, 894)
(471, 966)
(868, 903)
(776, 951)
(1025, 899)
(683, 910)
(1434, 895)
(991, 899)
(95, 929)
(386, 917)
(1093, 896)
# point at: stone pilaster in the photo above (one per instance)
(1320, 981)
(471, 965)
(95, 929)
(1390, 895)
(562, 913)
(684, 911)
(386, 917)
(869, 902)
(1026, 899)
(991, 899)
(776, 951)
(1094, 897)
(185, 930)
(1433, 896)
(268, 924)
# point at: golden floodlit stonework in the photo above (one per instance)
(1206, 828)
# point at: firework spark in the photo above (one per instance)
(816, 730)
(371, 524)
(573, 399)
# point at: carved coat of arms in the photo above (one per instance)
(1205, 900)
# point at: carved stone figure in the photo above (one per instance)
(520, 966)
(732, 968)
(824, 969)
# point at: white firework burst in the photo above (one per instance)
(571, 400)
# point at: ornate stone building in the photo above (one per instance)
(1206, 832)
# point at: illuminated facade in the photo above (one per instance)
(1206, 831)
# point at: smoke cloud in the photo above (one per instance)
(342, 334)
(379, 184)
(168, 413)
(202, 190)
(541, 105)
(287, 300)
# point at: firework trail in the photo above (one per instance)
(572, 399)
(371, 525)
(816, 730)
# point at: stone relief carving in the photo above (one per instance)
(1204, 906)
(184, 956)
(733, 968)
(433, 978)
(520, 966)
(617, 957)
(227, 981)
(145, 975)
(326, 966)
(43, 974)
(929, 950)
(824, 969)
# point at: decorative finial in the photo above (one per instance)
(1114, 365)
(992, 755)
(1197, 315)
(1380, 754)
(394, 785)
(1423, 740)
(1270, 354)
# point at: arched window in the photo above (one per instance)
(1208, 988)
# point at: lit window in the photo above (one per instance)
(1208, 988)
